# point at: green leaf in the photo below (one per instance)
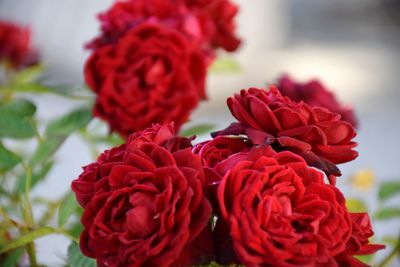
(19, 107)
(75, 257)
(388, 213)
(365, 258)
(225, 65)
(36, 177)
(356, 205)
(12, 258)
(28, 75)
(198, 130)
(16, 127)
(46, 149)
(8, 159)
(27, 238)
(75, 230)
(388, 190)
(66, 209)
(69, 123)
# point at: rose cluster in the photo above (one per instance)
(150, 61)
(15, 49)
(255, 195)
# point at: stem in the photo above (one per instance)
(389, 258)
(32, 254)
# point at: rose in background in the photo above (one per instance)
(314, 93)
(208, 24)
(152, 74)
(15, 47)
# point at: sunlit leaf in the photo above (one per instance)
(389, 189)
(198, 130)
(26, 238)
(69, 123)
(225, 65)
(356, 205)
(75, 257)
(365, 258)
(388, 213)
(28, 75)
(66, 209)
(8, 159)
(363, 180)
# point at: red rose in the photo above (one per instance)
(315, 94)
(281, 213)
(315, 133)
(358, 244)
(15, 45)
(209, 24)
(146, 206)
(150, 75)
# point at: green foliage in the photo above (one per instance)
(16, 127)
(11, 259)
(389, 189)
(26, 238)
(69, 123)
(356, 205)
(8, 159)
(19, 107)
(198, 130)
(388, 213)
(225, 65)
(37, 176)
(46, 150)
(77, 259)
(67, 207)
(28, 75)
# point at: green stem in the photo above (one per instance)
(392, 255)
(30, 247)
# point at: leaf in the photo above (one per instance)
(8, 159)
(388, 213)
(365, 258)
(69, 123)
(27, 238)
(36, 177)
(356, 205)
(12, 258)
(225, 65)
(16, 127)
(389, 189)
(46, 149)
(75, 257)
(19, 107)
(28, 75)
(66, 209)
(198, 130)
(76, 230)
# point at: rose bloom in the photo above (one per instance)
(279, 212)
(144, 204)
(15, 47)
(150, 75)
(316, 94)
(210, 24)
(315, 133)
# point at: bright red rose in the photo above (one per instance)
(281, 213)
(15, 45)
(315, 94)
(150, 75)
(210, 24)
(144, 205)
(358, 244)
(315, 133)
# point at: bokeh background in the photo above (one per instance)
(353, 46)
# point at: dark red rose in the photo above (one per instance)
(281, 213)
(315, 133)
(358, 244)
(15, 47)
(144, 205)
(315, 94)
(209, 24)
(150, 75)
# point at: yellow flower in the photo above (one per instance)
(363, 180)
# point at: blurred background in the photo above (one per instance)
(352, 46)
